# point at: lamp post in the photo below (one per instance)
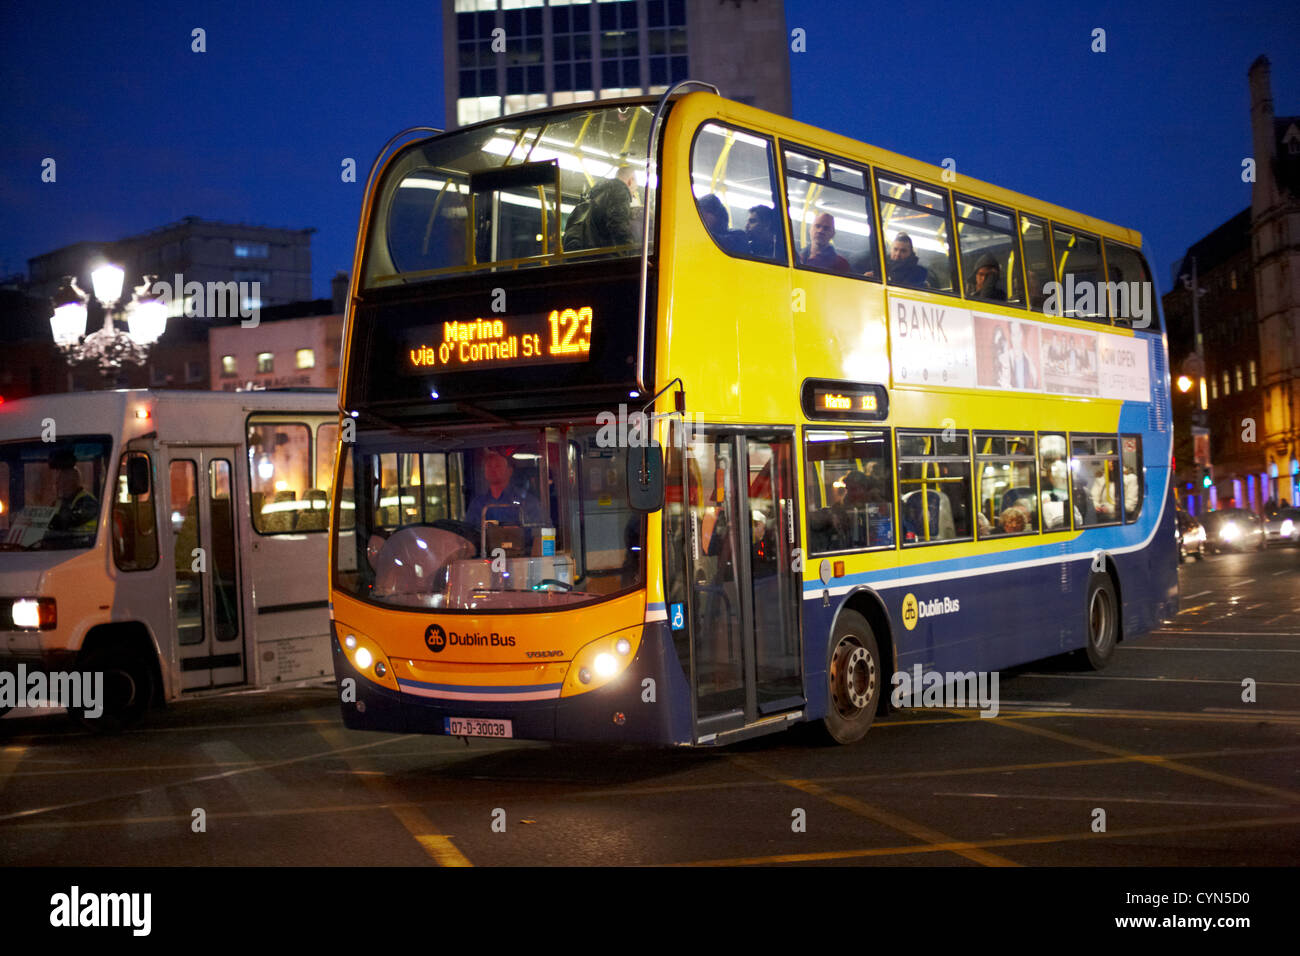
(145, 315)
(1193, 374)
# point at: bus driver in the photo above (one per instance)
(501, 502)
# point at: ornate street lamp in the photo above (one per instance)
(109, 347)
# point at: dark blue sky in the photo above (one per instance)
(1150, 134)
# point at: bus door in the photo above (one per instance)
(742, 588)
(208, 623)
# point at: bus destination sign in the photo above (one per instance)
(845, 401)
(561, 336)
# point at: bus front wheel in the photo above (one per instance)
(128, 686)
(854, 679)
(1103, 622)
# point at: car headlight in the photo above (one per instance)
(1230, 532)
(1288, 526)
(30, 614)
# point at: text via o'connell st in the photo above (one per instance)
(558, 337)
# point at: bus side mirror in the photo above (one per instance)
(137, 475)
(645, 478)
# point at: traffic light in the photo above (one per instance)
(1206, 481)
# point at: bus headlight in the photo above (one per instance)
(601, 661)
(366, 657)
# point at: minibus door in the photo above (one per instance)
(206, 595)
(742, 584)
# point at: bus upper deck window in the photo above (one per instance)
(990, 252)
(915, 224)
(734, 184)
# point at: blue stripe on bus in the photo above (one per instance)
(467, 688)
(1080, 545)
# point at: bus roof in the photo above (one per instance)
(175, 414)
(828, 141)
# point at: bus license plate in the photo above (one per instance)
(477, 727)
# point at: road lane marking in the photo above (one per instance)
(187, 819)
(11, 755)
(1232, 650)
(1290, 796)
(1087, 834)
(1170, 631)
(417, 823)
(1157, 680)
(1101, 801)
(53, 808)
(1193, 597)
(876, 814)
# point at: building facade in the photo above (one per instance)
(1275, 239)
(507, 56)
(295, 346)
(1228, 360)
(279, 260)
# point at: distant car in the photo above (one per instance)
(1234, 529)
(1191, 537)
(1283, 527)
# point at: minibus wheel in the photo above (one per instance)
(128, 690)
(854, 679)
(1102, 622)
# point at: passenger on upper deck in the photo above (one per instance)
(903, 267)
(764, 233)
(604, 216)
(987, 280)
(820, 253)
(718, 221)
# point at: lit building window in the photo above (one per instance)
(229, 367)
(265, 362)
(1214, 387)
(1227, 384)
(1240, 382)
(306, 358)
(251, 250)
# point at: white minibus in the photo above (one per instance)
(174, 541)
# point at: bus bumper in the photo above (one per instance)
(626, 710)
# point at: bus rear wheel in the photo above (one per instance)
(1103, 622)
(128, 690)
(854, 680)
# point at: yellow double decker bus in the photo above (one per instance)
(675, 421)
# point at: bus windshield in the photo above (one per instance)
(50, 492)
(506, 521)
(513, 193)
